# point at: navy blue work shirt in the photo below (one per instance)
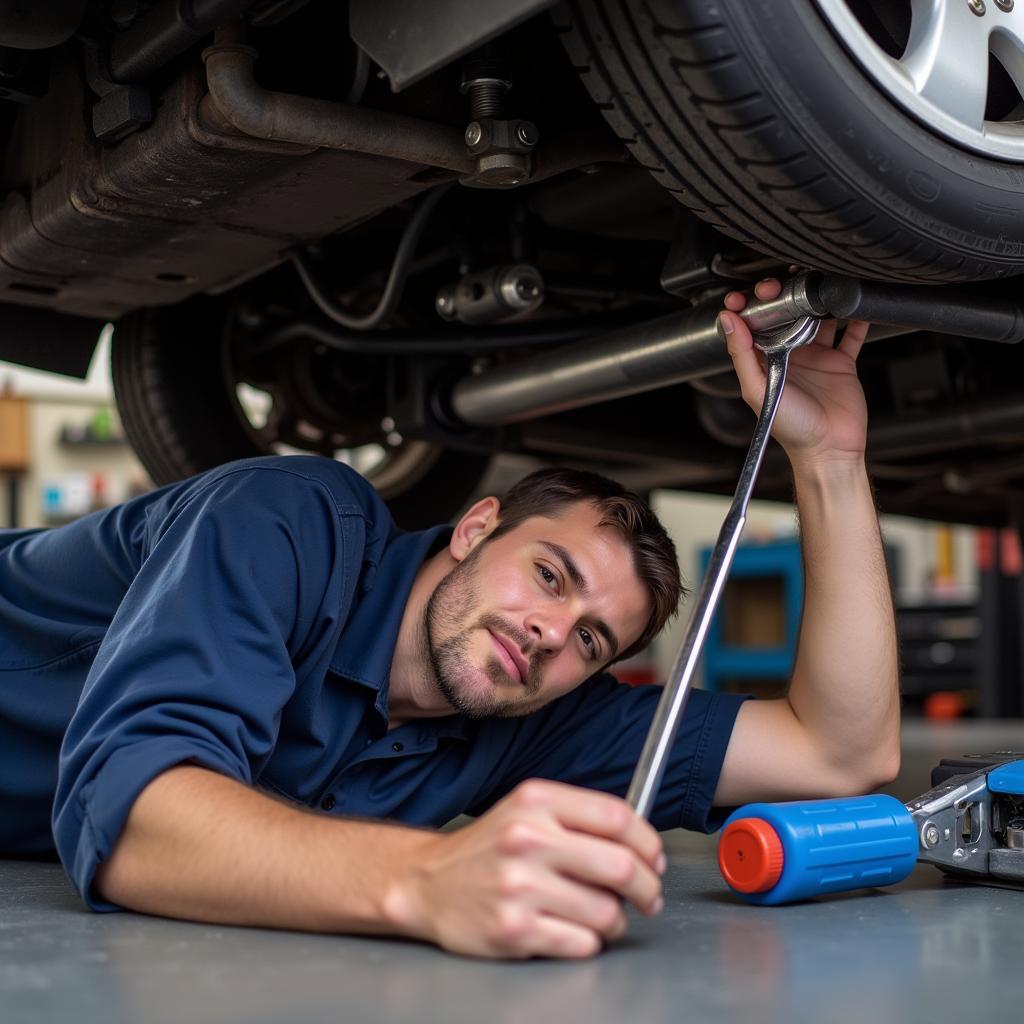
(244, 620)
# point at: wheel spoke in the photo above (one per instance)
(1008, 45)
(947, 58)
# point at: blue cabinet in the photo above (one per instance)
(753, 636)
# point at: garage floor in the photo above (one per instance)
(926, 950)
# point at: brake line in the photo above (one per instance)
(392, 294)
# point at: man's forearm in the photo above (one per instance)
(203, 847)
(545, 872)
(845, 684)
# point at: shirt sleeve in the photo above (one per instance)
(593, 737)
(242, 583)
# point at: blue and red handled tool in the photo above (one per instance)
(970, 824)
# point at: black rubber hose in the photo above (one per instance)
(923, 308)
(396, 279)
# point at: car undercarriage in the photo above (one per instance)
(319, 226)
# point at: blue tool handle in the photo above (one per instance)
(825, 846)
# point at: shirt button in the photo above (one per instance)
(328, 802)
(397, 747)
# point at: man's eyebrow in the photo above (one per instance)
(581, 585)
(568, 564)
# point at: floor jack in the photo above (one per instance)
(970, 824)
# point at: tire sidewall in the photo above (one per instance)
(875, 147)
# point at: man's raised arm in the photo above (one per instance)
(837, 730)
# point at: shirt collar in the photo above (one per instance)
(367, 643)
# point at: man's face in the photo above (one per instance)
(525, 618)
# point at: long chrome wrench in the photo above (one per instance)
(776, 343)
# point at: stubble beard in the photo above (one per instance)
(450, 606)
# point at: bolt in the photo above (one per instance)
(474, 133)
(527, 288)
(1005, 5)
(527, 134)
(977, 7)
(931, 836)
(486, 90)
(445, 302)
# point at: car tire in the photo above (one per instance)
(180, 413)
(756, 117)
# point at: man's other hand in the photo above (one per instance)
(542, 873)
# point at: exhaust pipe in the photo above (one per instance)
(282, 117)
(687, 345)
(655, 354)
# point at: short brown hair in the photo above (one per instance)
(547, 492)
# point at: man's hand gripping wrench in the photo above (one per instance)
(776, 333)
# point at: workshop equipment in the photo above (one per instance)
(969, 825)
(776, 341)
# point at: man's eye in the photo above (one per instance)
(588, 641)
(547, 575)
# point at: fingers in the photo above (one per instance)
(597, 814)
(768, 289)
(854, 337)
(735, 301)
(603, 865)
(745, 359)
(826, 335)
(597, 910)
(740, 342)
(765, 290)
(555, 937)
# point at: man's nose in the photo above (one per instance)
(550, 629)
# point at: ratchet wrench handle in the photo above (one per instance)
(654, 756)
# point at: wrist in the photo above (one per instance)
(829, 468)
(826, 489)
(403, 903)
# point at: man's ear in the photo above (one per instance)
(474, 527)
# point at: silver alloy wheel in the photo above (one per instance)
(942, 77)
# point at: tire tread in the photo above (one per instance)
(673, 87)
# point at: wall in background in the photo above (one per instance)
(59, 405)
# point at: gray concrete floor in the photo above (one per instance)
(926, 950)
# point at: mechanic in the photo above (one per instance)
(187, 675)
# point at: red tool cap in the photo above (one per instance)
(750, 855)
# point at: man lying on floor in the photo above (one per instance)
(239, 698)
